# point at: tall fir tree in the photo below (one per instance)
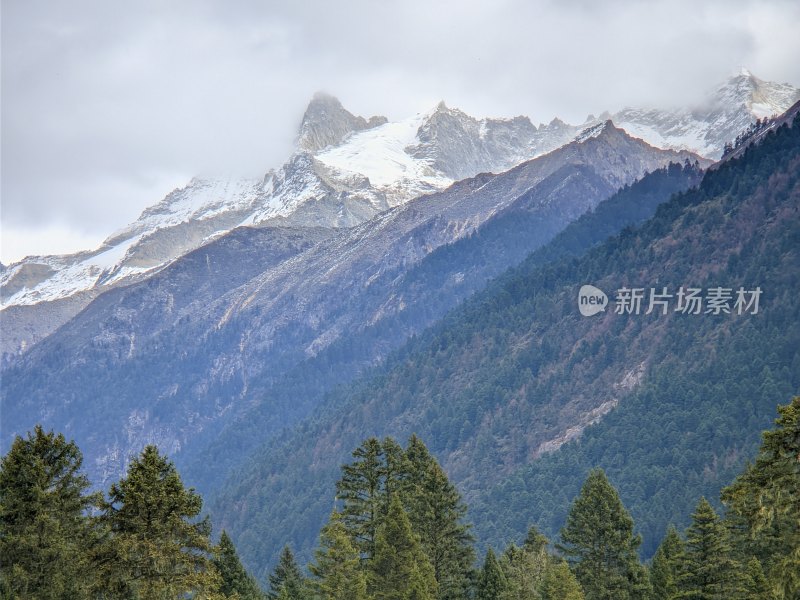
(45, 532)
(599, 544)
(234, 578)
(437, 515)
(665, 569)
(287, 578)
(764, 503)
(337, 572)
(400, 569)
(158, 549)
(395, 470)
(708, 571)
(492, 583)
(360, 490)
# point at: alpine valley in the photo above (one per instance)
(420, 278)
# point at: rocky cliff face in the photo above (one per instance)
(327, 123)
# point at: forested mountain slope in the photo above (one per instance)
(518, 371)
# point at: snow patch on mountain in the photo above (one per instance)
(380, 156)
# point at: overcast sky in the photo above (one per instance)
(107, 106)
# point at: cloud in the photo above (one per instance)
(107, 106)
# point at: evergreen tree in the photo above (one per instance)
(395, 470)
(535, 541)
(524, 571)
(400, 569)
(337, 570)
(360, 490)
(437, 512)
(665, 570)
(708, 572)
(756, 586)
(560, 583)
(492, 584)
(764, 502)
(599, 543)
(157, 549)
(234, 578)
(286, 576)
(45, 533)
(532, 573)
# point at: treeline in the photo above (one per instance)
(397, 532)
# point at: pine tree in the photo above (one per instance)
(157, 549)
(45, 533)
(395, 470)
(764, 502)
(235, 579)
(437, 512)
(535, 541)
(665, 570)
(708, 572)
(532, 573)
(756, 584)
(337, 569)
(360, 490)
(524, 570)
(286, 576)
(560, 583)
(492, 584)
(599, 543)
(400, 569)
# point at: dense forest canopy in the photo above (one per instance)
(398, 531)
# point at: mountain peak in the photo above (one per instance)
(326, 123)
(557, 123)
(602, 129)
(322, 101)
(745, 92)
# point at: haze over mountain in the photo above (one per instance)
(345, 170)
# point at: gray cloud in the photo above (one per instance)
(106, 106)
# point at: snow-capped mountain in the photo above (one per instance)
(344, 170)
(705, 129)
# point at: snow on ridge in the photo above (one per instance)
(591, 132)
(199, 200)
(69, 276)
